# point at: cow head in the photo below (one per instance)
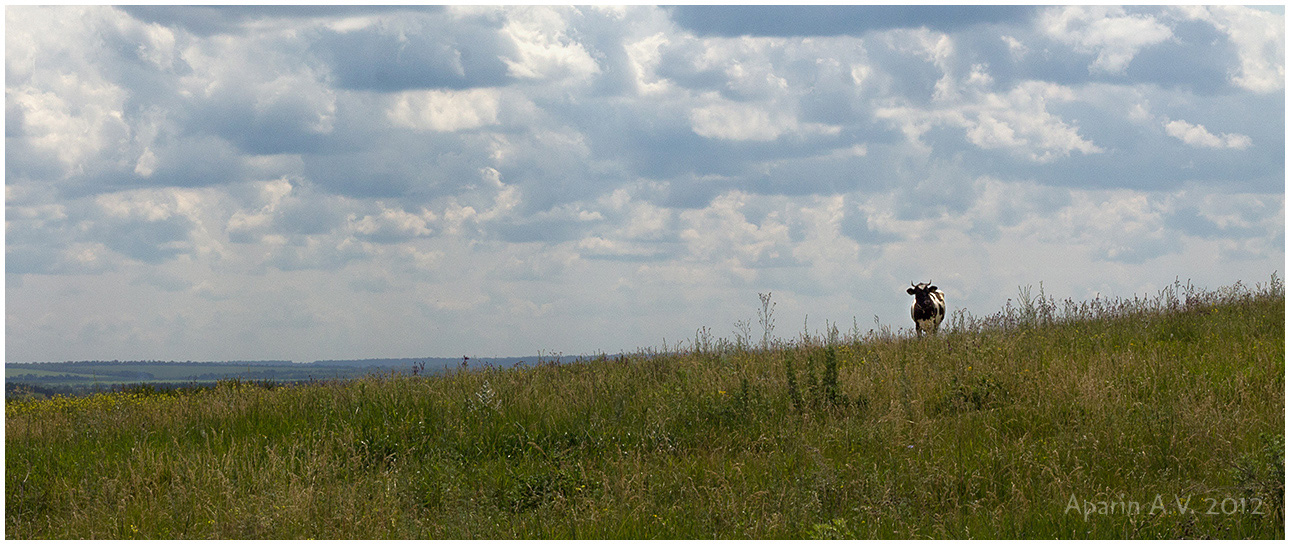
(922, 292)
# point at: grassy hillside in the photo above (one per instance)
(1158, 418)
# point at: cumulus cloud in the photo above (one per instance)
(1259, 38)
(728, 120)
(1198, 136)
(1107, 31)
(392, 224)
(723, 233)
(543, 48)
(1018, 121)
(444, 111)
(77, 113)
(837, 20)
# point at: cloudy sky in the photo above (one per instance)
(326, 182)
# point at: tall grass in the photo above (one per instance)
(1046, 419)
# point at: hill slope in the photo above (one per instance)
(1156, 418)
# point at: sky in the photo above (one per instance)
(306, 183)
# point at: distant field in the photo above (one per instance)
(9, 372)
(1156, 418)
(107, 372)
(51, 375)
(85, 376)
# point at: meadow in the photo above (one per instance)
(1149, 417)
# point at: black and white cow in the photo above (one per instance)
(928, 309)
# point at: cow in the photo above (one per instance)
(928, 309)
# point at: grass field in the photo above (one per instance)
(1157, 417)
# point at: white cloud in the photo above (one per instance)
(737, 121)
(543, 47)
(72, 118)
(726, 120)
(464, 220)
(259, 77)
(746, 66)
(644, 57)
(860, 73)
(443, 110)
(147, 163)
(298, 94)
(936, 48)
(1118, 225)
(1198, 136)
(646, 221)
(1259, 37)
(1018, 121)
(393, 223)
(1015, 47)
(830, 258)
(145, 205)
(721, 233)
(595, 246)
(1108, 31)
(242, 224)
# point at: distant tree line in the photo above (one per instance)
(31, 377)
(101, 363)
(21, 389)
